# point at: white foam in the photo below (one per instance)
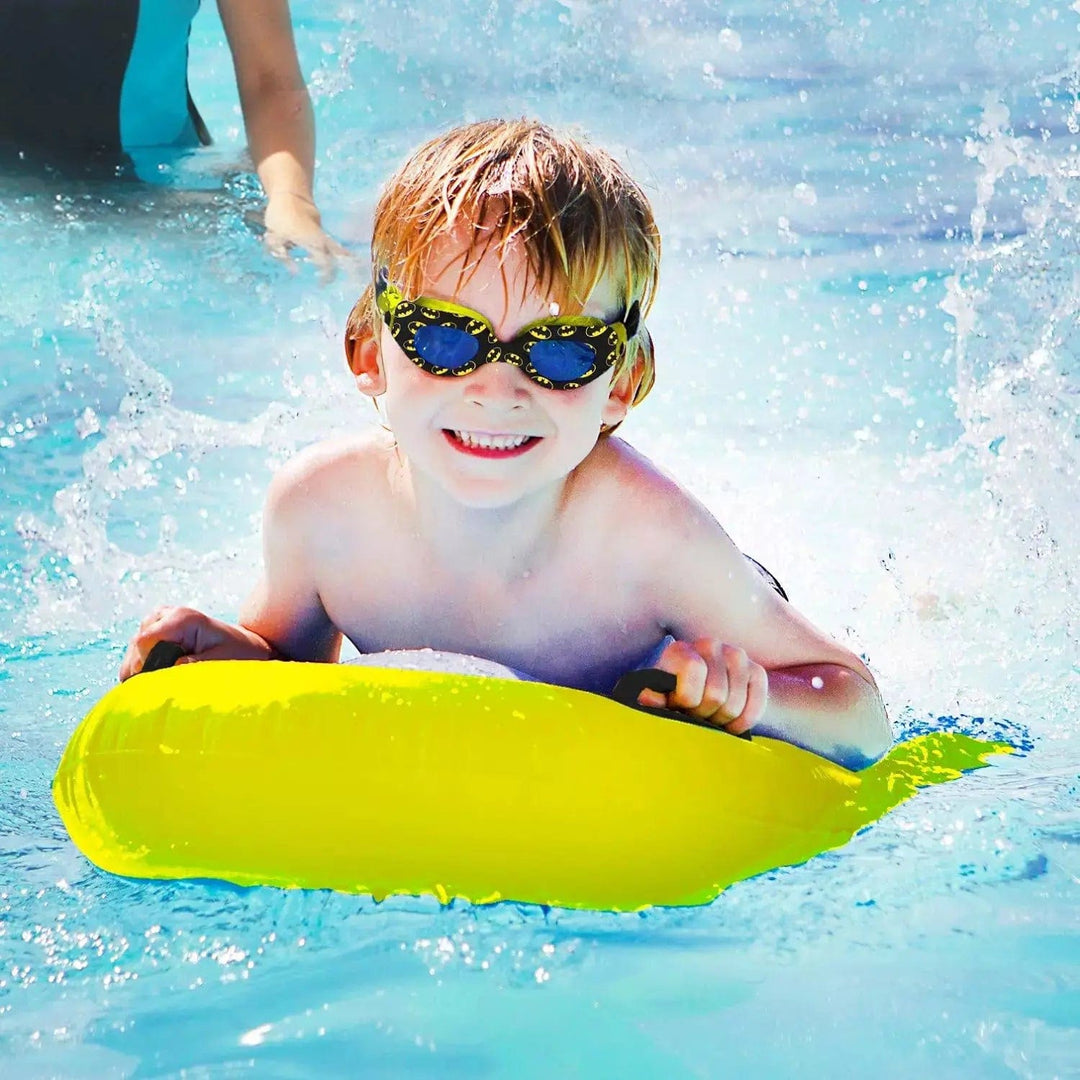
(435, 660)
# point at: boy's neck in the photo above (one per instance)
(503, 541)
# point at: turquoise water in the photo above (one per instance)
(867, 340)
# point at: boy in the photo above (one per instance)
(496, 516)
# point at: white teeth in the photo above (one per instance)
(491, 442)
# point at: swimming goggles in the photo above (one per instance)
(560, 353)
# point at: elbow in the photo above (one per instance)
(866, 736)
(862, 755)
(868, 722)
(881, 740)
(830, 709)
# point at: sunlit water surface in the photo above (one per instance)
(867, 338)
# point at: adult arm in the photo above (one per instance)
(279, 122)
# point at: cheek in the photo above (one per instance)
(406, 401)
(405, 381)
(582, 410)
(402, 375)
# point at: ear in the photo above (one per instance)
(365, 362)
(621, 397)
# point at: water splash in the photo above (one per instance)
(1017, 346)
(1013, 589)
(85, 578)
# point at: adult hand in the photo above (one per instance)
(201, 638)
(714, 682)
(293, 221)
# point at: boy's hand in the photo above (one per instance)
(201, 638)
(715, 682)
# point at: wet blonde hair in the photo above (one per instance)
(578, 213)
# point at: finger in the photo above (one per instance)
(131, 664)
(177, 624)
(164, 623)
(329, 256)
(139, 648)
(351, 264)
(657, 699)
(715, 693)
(142, 643)
(324, 264)
(154, 616)
(138, 651)
(757, 699)
(737, 664)
(279, 247)
(683, 661)
(738, 726)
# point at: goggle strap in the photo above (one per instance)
(631, 320)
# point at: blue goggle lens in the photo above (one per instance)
(562, 361)
(445, 346)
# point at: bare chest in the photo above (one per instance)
(576, 625)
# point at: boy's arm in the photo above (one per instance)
(746, 659)
(285, 609)
(283, 618)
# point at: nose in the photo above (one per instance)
(498, 385)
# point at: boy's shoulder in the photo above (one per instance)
(617, 471)
(631, 495)
(330, 473)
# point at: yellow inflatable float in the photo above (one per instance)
(384, 781)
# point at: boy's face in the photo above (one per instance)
(494, 436)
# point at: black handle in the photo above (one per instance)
(633, 683)
(163, 655)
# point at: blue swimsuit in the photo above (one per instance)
(87, 77)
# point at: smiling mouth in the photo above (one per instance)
(483, 444)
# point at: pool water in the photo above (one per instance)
(867, 343)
